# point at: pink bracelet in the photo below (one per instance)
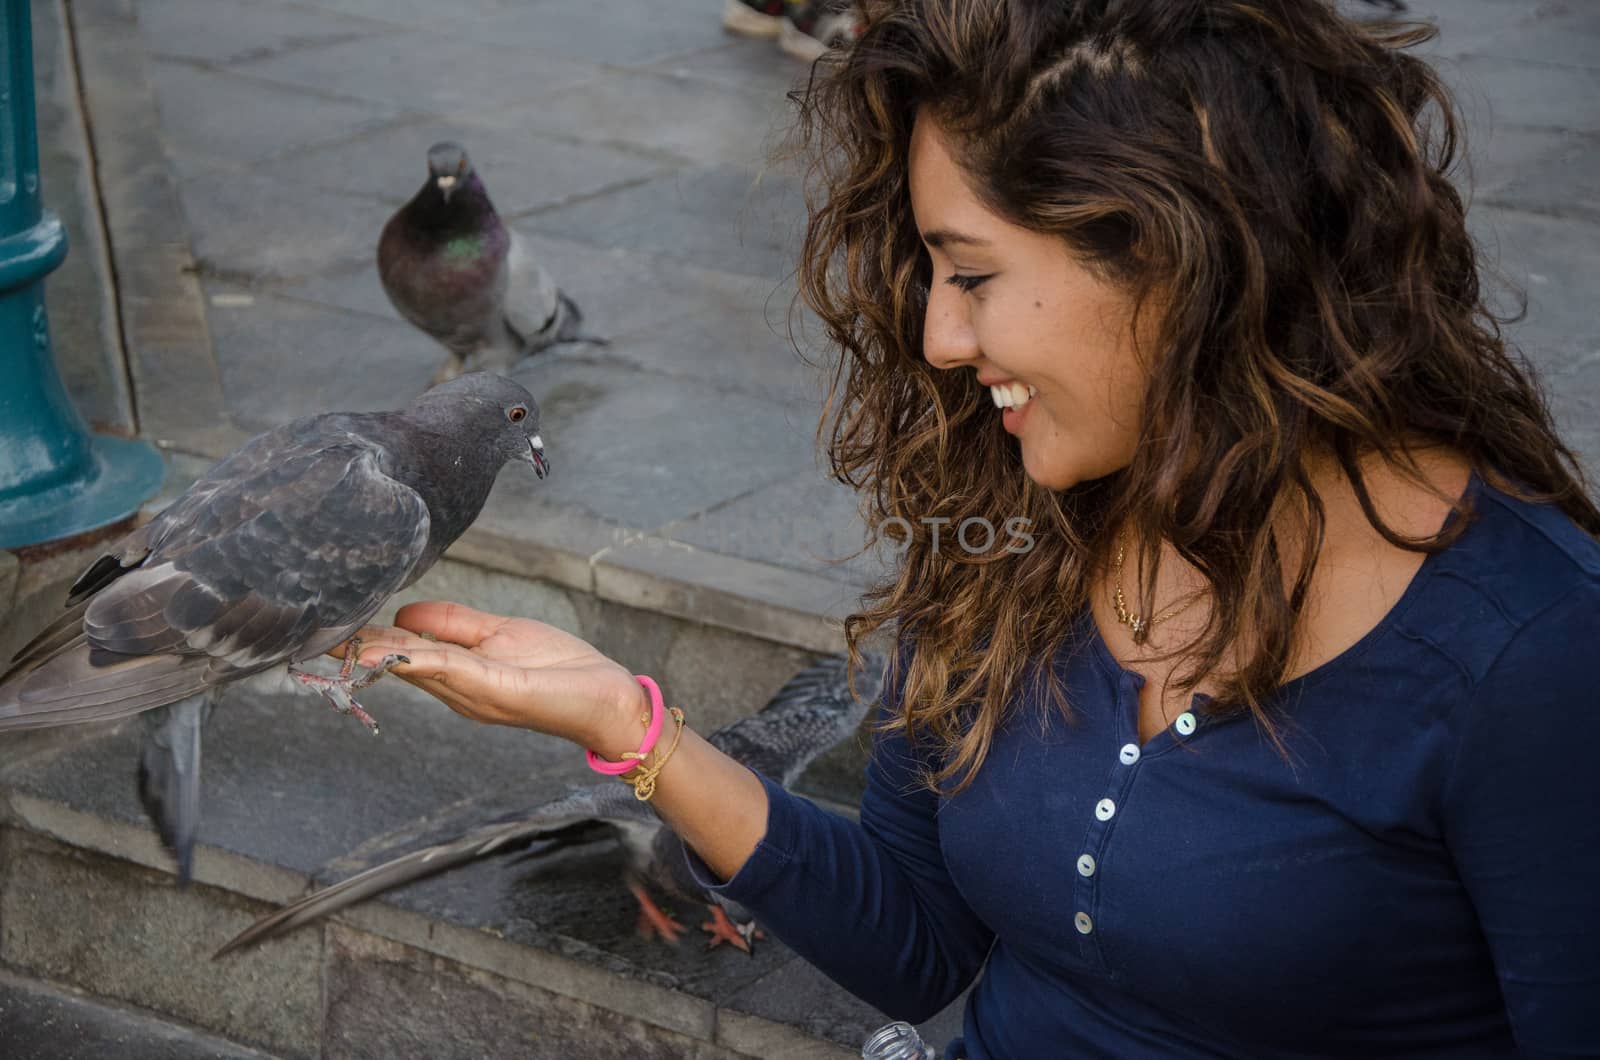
(652, 733)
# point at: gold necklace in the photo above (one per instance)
(1138, 623)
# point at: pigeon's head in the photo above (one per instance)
(484, 409)
(448, 167)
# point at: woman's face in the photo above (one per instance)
(1051, 342)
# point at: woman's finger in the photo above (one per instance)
(446, 621)
(422, 658)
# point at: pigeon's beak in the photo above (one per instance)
(536, 457)
(447, 186)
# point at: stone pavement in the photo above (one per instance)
(43, 1021)
(633, 149)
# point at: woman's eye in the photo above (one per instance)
(965, 282)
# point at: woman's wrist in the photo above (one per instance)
(621, 723)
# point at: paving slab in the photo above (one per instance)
(222, 31)
(1561, 180)
(385, 1001)
(522, 172)
(414, 12)
(726, 218)
(598, 418)
(805, 522)
(123, 931)
(1549, 34)
(247, 226)
(214, 119)
(614, 32)
(755, 67)
(442, 74)
(1516, 92)
(729, 126)
(44, 1021)
(281, 359)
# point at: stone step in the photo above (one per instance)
(47, 1021)
(510, 950)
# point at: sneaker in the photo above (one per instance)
(810, 28)
(753, 18)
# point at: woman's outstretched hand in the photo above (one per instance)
(512, 671)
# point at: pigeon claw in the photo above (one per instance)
(653, 921)
(721, 929)
(340, 691)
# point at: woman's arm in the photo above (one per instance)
(522, 673)
(871, 904)
(1522, 820)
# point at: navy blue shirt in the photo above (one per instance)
(1419, 877)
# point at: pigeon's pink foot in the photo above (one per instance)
(652, 921)
(721, 930)
(340, 691)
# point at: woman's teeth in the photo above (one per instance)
(1012, 395)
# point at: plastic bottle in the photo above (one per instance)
(896, 1041)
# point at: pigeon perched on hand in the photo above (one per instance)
(452, 268)
(276, 555)
(813, 712)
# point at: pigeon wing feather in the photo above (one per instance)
(276, 555)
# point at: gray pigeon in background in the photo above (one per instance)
(452, 268)
(813, 712)
(279, 553)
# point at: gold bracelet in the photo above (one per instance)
(643, 778)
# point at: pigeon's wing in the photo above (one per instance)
(533, 305)
(580, 814)
(811, 713)
(815, 710)
(276, 555)
(67, 630)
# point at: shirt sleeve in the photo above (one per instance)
(871, 904)
(1522, 819)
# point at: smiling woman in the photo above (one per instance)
(1264, 746)
(1006, 301)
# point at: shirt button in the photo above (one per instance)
(1184, 724)
(1105, 809)
(1086, 865)
(1083, 923)
(1129, 753)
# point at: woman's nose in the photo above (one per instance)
(948, 340)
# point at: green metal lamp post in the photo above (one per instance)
(56, 479)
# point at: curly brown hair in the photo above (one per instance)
(1283, 175)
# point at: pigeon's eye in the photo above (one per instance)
(516, 414)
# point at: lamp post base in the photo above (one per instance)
(118, 477)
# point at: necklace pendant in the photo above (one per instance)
(1136, 623)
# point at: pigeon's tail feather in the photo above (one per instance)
(169, 775)
(69, 689)
(569, 323)
(581, 816)
(408, 868)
